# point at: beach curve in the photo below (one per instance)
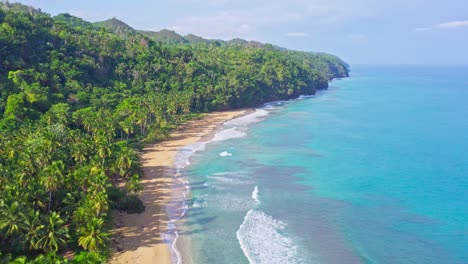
(139, 238)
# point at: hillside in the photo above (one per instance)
(165, 36)
(117, 26)
(196, 39)
(77, 100)
(72, 21)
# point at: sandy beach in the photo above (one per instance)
(138, 237)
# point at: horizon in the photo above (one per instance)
(361, 33)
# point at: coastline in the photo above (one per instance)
(139, 238)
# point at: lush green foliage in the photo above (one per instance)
(116, 26)
(165, 36)
(74, 98)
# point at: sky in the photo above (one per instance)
(358, 31)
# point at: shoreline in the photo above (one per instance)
(140, 238)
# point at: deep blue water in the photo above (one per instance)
(372, 170)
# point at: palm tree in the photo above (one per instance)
(103, 148)
(98, 202)
(57, 114)
(125, 161)
(79, 147)
(127, 125)
(85, 117)
(33, 229)
(52, 140)
(133, 184)
(54, 234)
(106, 124)
(11, 218)
(52, 178)
(92, 236)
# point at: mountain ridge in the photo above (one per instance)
(168, 36)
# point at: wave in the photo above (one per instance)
(198, 204)
(235, 128)
(255, 194)
(228, 133)
(305, 96)
(262, 242)
(251, 118)
(171, 239)
(179, 207)
(231, 178)
(225, 154)
(272, 105)
(183, 155)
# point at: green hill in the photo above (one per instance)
(117, 26)
(16, 7)
(165, 36)
(73, 21)
(196, 39)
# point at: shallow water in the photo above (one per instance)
(373, 170)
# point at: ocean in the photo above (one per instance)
(372, 170)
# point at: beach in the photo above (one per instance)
(138, 238)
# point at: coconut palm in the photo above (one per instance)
(133, 184)
(51, 178)
(125, 161)
(33, 229)
(79, 148)
(91, 236)
(54, 234)
(103, 148)
(11, 218)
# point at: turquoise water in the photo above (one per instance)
(372, 170)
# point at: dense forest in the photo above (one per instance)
(77, 100)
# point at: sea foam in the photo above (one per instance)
(255, 194)
(183, 155)
(198, 204)
(179, 207)
(235, 128)
(231, 178)
(261, 241)
(228, 133)
(246, 120)
(305, 96)
(225, 154)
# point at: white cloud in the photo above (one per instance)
(453, 24)
(227, 19)
(223, 26)
(445, 25)
(297, 34)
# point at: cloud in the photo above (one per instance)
(453, 24)
(223, 26)
(228, 19)
(234, 23)
(445, 25)
(297, 34)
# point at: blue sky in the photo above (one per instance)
(359, 31)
